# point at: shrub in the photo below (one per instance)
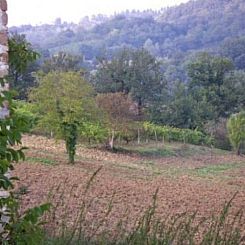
(93, 132)
(236, 131)
(218, 130)
(26, 112)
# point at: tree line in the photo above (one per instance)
(112, 101)
(171, 33)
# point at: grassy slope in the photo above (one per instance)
(196, 161)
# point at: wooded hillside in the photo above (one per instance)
(170, 32)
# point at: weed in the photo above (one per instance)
(184, 228)
(44, 161)
(22, 190)
(214, 169)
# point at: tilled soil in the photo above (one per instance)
(125, 184)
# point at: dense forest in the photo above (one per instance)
(167, 33)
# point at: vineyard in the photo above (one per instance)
(178, 135)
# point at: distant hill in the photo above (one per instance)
(193, 26)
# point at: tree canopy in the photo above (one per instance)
(22, 64)
(64, 100)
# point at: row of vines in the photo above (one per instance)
(134, 131)
(159, 132)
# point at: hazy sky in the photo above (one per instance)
(45, 11)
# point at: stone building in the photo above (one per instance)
(3, 39)
(3, 53)
(3, 72)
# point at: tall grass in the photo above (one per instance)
(149, 229)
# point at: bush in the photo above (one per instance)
(26, 112)
(93, 132)
(219, 132)
(236, 131)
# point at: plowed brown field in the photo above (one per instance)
(200, 182)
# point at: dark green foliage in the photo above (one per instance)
(134, 72)
(207, 77)
(70, 136)
(27, 229)
(177, 109)
(26, 112)
(207, 70)
(234, 92)
(62, 62)
(10, 132)
(214, 89)
(20, 53)
(22, 64)
(146, 79)
(235, 50)
(196, 25)
(16, 228)
(113, 75)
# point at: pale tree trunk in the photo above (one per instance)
(138, 136)
(156, 136)
(4, 110)
(238, 150)
(111, 142)
(147, 139)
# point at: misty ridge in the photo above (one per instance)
(172, 33)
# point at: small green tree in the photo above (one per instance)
(65, 101)
(236, 130)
